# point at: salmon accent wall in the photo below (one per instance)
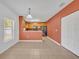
(23, 35)
(54, 23)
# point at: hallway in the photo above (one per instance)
(37, 50)
(50, 27)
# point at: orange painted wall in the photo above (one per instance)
(54, 23)
(22, 34)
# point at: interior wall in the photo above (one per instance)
(70, 32)
(5, 12)
(54, 23)
(22, 33)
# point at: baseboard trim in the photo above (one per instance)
(6, 48)
(30, 40)
(70, 51)
(53, 41)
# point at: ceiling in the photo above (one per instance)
(40, 9)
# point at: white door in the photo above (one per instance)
(70, 32)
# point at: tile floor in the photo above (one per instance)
(37, 50)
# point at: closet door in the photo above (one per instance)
(70, 32)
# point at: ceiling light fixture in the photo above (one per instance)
(29, 16)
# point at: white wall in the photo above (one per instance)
(70, 32)
(5, 12)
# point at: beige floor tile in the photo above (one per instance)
(33, 50)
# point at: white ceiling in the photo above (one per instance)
(40, 9)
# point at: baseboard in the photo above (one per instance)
(53, 41)
(70, 51)
(30, 40)
(6, 48)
